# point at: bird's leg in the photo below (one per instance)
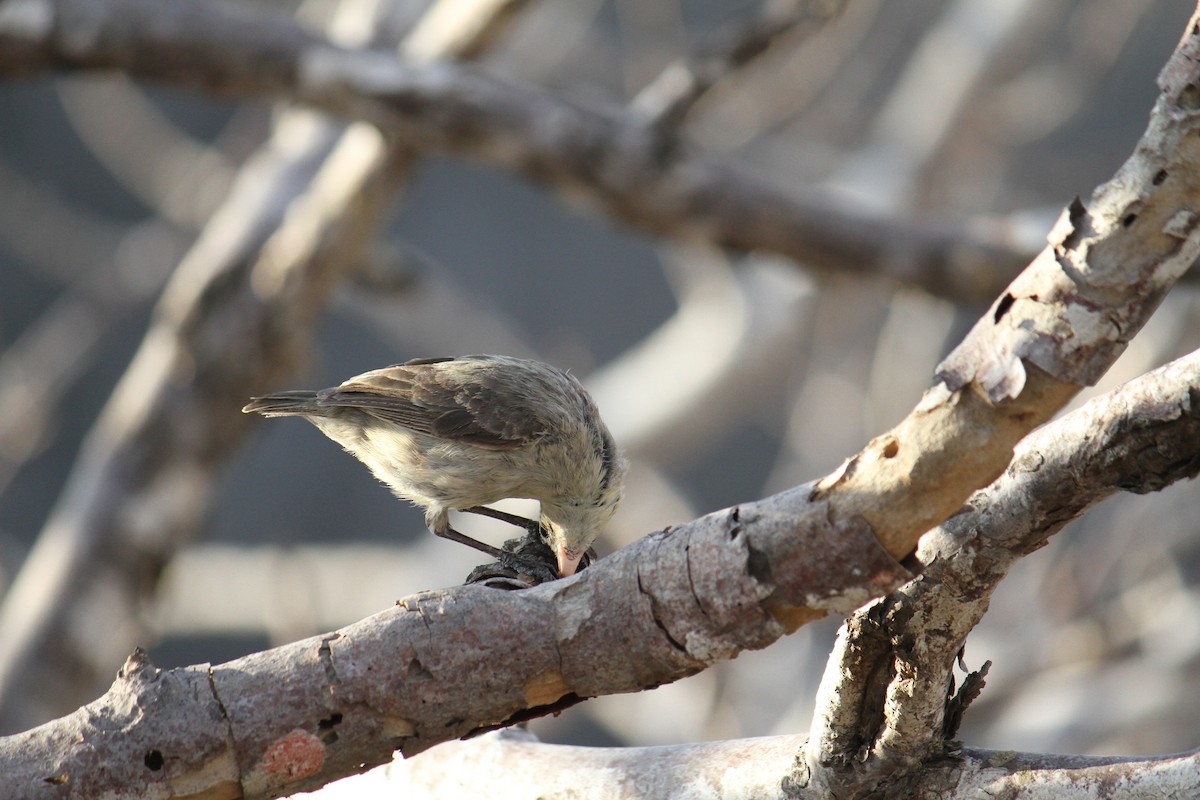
(526, 561)
(462, 538)
(509, 558)
(534, 527)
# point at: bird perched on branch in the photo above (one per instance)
(459, 433)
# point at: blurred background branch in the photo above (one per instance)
(236, 314)
(634, 171)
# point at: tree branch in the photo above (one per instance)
(669, 98)
(513, 764)
(448, 664)
(234, 319)
(887, 681)
(618, 163)
(461, 661)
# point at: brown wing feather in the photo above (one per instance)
(429, 396)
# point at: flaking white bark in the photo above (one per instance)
(886, 685)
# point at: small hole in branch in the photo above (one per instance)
(1003, 306)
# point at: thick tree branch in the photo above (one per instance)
(1059, 325)
(561, 633)
(446, 664)
(886, 684)
(626, 167)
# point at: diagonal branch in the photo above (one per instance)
(668, 99)
(885, 687)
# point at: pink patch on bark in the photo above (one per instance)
(296, 755)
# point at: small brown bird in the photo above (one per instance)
(459, 433)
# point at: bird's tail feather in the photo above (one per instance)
(283, 404)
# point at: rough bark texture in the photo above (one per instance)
(1057, 327)
(883, 702)
(448, 664)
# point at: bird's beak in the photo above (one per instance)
(567, 561)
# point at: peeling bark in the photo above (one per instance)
(883, 707)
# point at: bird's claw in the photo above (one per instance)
(523, 562)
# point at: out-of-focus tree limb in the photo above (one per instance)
(911, 127)
(616, 162)
(119, 124)
(234, 319)
(670, 97)
(38, 367)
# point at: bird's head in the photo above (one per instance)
(574, 525)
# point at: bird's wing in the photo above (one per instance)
(431, 397)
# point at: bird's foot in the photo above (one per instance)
(525, 561)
